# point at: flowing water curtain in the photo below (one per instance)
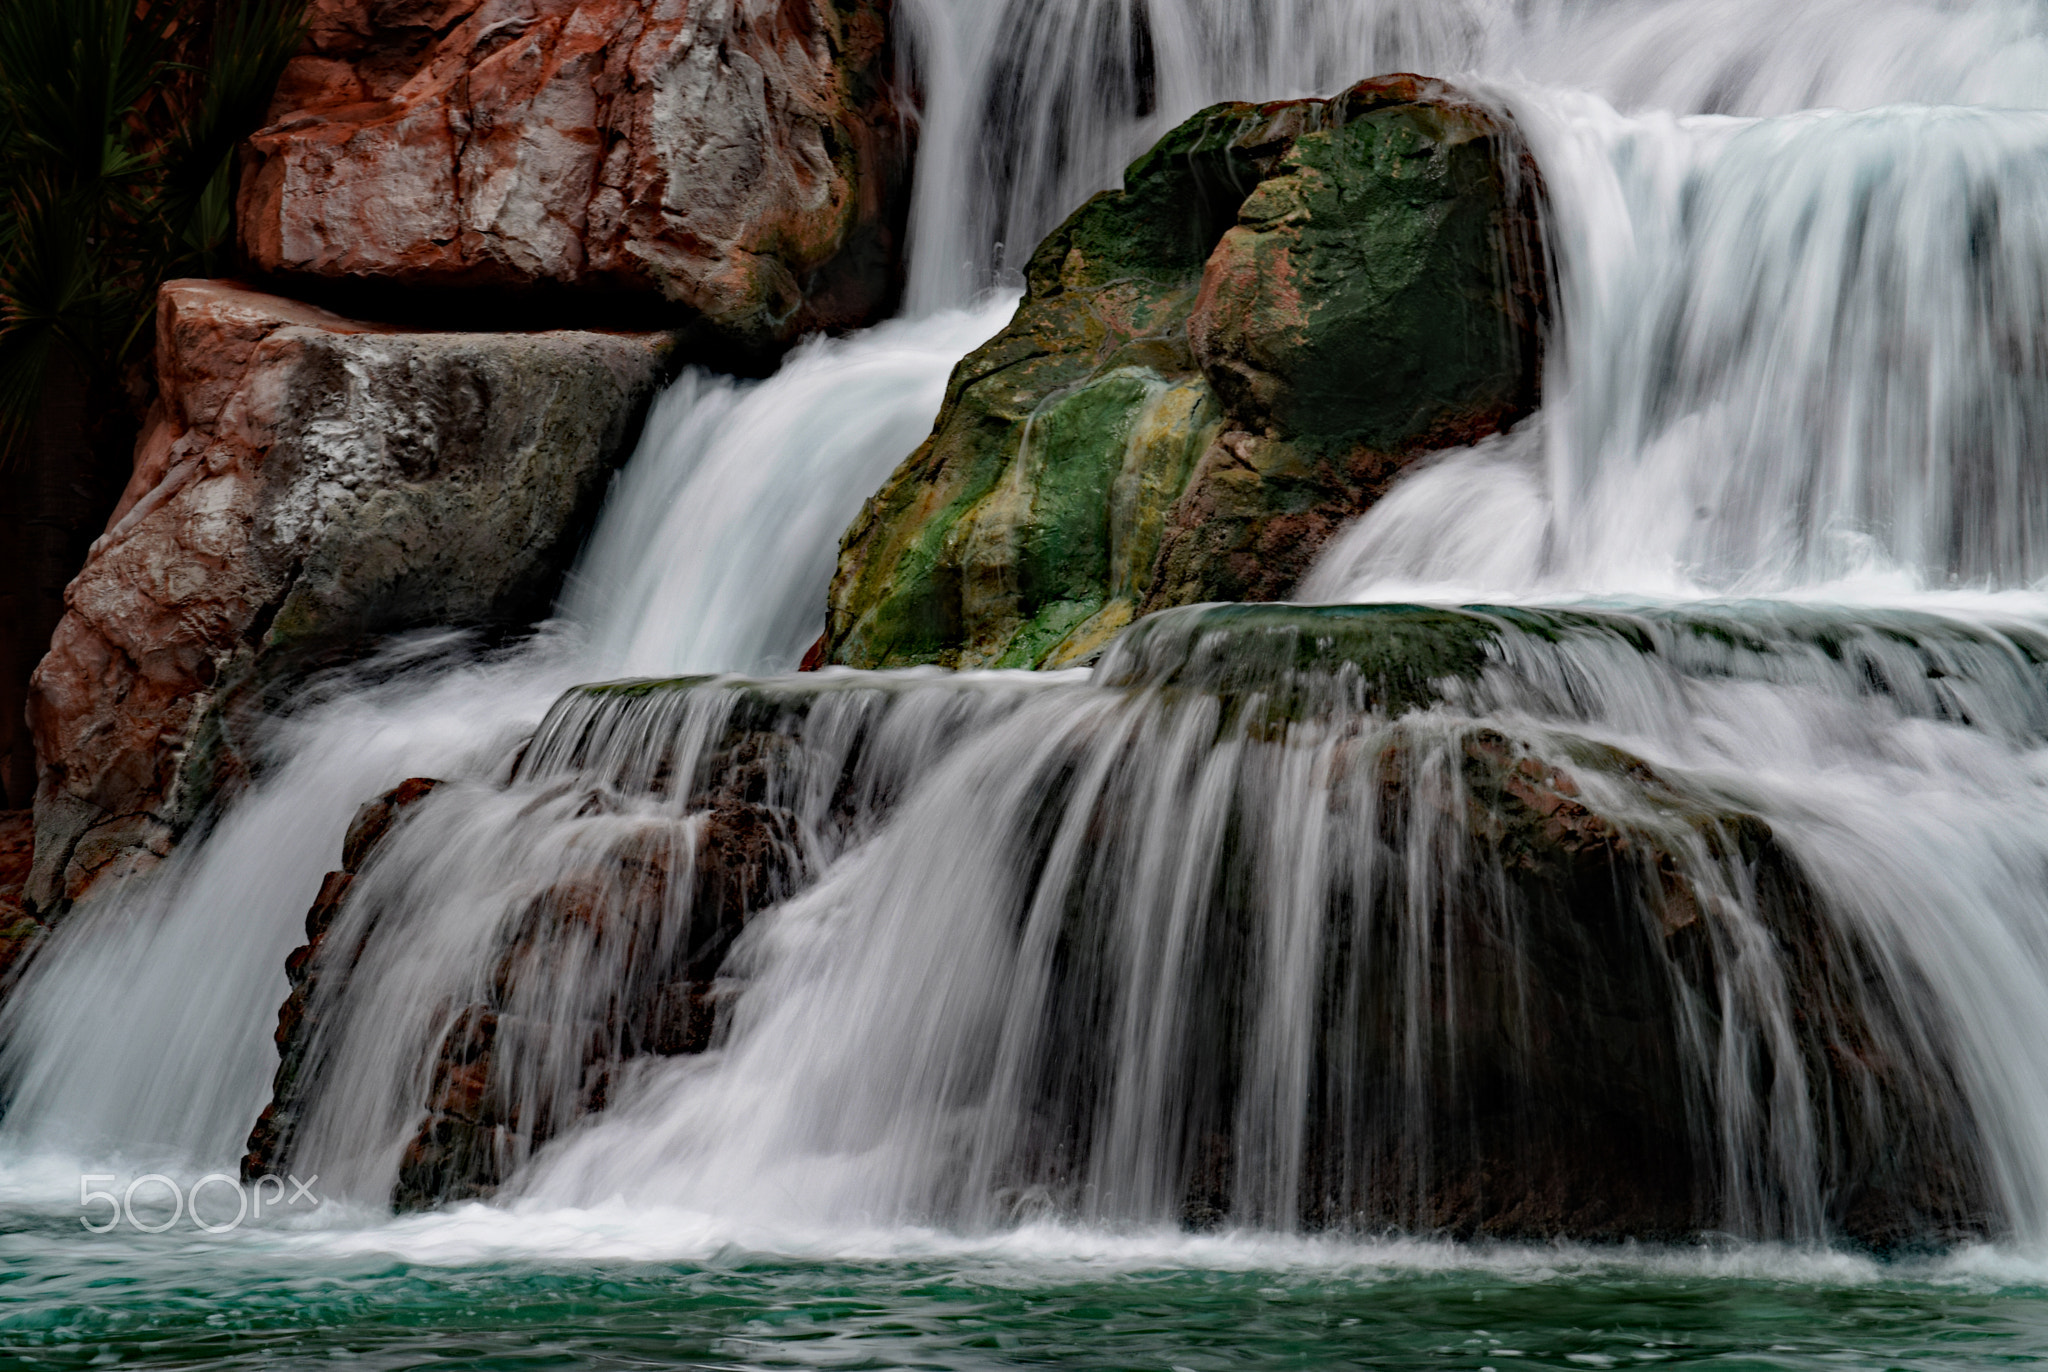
(508, 956)
(1805, 346)
(1032, 107)
(1953, 864)
(1211, 940)
(718, 540)
(1788, 352)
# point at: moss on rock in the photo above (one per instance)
(1212, 368)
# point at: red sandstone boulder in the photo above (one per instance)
(307, 481)
(740, 158)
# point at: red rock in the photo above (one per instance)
(306, 480)
(373, 822)
(741, 158)
(17, 840)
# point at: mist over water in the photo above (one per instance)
(1789, 462)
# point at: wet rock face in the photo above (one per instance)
(741, 159)
(272, 1133)
(1567, 1096)
(619, 960)
(501, 1086)
(307, 481)
(1211, 371)
(1514, 1025)
(1553, 993)
(1359, 296)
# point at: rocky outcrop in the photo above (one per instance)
(1426, 972)
(487, 1107)
(1212, 369)
(616, 961)
(1516, 1045)
(372, 823)
(1560, 993)
(741, 161)
(306, 482)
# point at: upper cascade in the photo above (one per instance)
(1794, 355)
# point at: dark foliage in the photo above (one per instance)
(118, 125)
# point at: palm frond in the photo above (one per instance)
(70, 70)
(53, 294)
(118, 126)
(252, 41)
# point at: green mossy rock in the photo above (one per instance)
(1359, 296)
(1212, 369)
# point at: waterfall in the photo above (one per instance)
(761, 536)
(1032, 106)
(1201, 936)
(1797, 353)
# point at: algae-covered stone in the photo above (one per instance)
(1038, 425)
(1360, 294)
(1101, 457)
(1309, 659)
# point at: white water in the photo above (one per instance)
(723, 531)
(1034, 105)
(1796, 352)
(1743, 404)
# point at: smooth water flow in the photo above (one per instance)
(756, 482)
(1795, 353)
(1031, 106)
(1231, 932)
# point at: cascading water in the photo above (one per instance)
(1219, 933)
(1203, 937)
(1735, 407)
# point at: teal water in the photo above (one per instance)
(456, 1291)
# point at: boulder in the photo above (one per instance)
(539, 1053)
(739, 162)
(1553, 975)
(307, 481)
(1515, 1045)
(1212, 369)
(618, 960)
(1542, 988)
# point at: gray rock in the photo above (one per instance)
(309, 481)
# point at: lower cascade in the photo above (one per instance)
(1423, 649)
(1341, 918)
